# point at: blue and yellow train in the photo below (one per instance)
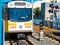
(17, 17)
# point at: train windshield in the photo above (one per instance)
(20, 14)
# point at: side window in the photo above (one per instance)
(5, 13)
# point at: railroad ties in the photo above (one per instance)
(18, 42)
(47, 41)
(34, 40)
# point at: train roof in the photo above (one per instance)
(19, 4)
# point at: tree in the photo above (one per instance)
(37, 12)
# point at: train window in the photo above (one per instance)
(5, 14)
(20, 14)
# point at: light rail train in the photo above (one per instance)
(17, 17)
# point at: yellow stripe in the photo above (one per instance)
(11, 24)
(6, 25)
(27, 23)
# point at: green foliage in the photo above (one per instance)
(37, 11)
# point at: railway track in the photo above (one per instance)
(28, 41)
(49, 32)
(34, 41)
(45, 29)
(23, 42)
(19, 42)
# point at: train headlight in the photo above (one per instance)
(20, 26)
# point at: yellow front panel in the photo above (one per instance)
(12, 24)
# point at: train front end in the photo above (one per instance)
(18, 18)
